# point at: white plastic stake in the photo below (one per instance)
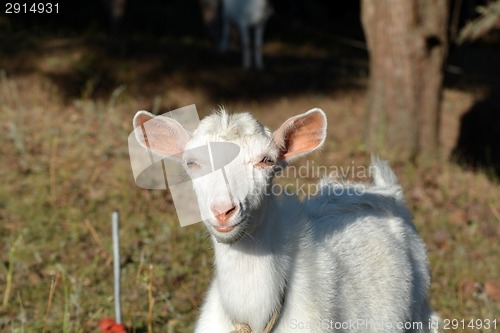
(115, 217)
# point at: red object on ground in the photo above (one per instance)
(108, 325)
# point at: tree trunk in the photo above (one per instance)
(407, 42)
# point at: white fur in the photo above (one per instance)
(348, 254)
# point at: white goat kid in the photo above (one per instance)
(347, 260)
(246, 14)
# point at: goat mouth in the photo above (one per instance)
(225, 229)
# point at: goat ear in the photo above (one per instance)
(161, 134)
(301, 134)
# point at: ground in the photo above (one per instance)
(66, 112)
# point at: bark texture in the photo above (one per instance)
(407, 42)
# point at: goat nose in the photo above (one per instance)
(223, 212)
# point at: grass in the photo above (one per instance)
(64, 165)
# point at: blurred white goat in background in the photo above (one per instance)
(247, 15)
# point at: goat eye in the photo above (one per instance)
(191, 164)
(265, 162)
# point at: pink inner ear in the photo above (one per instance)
(300, 135)
(141, 119)
(162, 135)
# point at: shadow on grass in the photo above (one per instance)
(151, 68)
(478, 144)
(303, 57)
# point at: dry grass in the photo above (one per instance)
(64, 165)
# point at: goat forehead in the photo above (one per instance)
(222, 126)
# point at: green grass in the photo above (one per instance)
(64, 168)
